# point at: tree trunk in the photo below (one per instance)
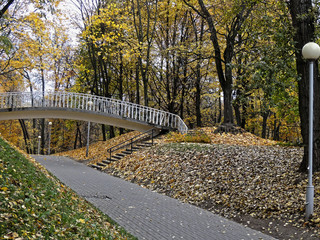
(227, 104)
(103, 130)
(25, 135)
(244, 115)
(237, 112)
(111, 132)
(78, 137)
(220, 111)
(5, 7)
(93, 59)
(304, 33)
(34, 135)
(265, 116)
(198, 95)
(223, 66)
(190, 124)
(137, 85)
(121, 84)
(276, 130)
(144, 35)
(42, 119)
(42, 135)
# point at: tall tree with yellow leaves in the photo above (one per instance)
(145, 14)
(224, 19)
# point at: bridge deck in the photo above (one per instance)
(67, 105)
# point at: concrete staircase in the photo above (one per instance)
(128, 147)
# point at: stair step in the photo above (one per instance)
(141, 141)
(136, 148)
(106, 161)
(129, 150)
(101, 164)
(96, 166)
(144, 145)
(120, 155)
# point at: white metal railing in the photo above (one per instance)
(98, 104)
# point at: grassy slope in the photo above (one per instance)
(35, 205)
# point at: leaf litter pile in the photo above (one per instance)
(241, 177)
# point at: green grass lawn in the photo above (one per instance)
(35, 205)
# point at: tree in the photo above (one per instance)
(170, 71)
(264, 68)
(105, 53)
(38, 38)
(224, 30)
(144, 19)
(303, 21)
(4, 6)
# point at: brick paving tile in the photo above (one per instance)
(143, 213)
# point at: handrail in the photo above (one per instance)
(96, 104)
(131, 141)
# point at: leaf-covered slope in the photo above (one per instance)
(242, 139)
(256, 181)
(35, 205)
(250, 179)
(236, 176)
(98, 150)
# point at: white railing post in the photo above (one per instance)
(76, 101)
(63, 100)
(98, 104)
(71, 101)
(82, 102)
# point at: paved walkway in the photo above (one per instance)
(143, 213)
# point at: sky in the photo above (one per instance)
(72, 16)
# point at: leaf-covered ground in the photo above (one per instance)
(242, 177)
(35, 205)
(241, 139)
(98, 150)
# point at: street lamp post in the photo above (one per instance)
(39, 139)
(311, 52)
(90, 103)
(50, 124)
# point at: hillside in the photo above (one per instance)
(35, 205)
(242, 177)
(97, 150)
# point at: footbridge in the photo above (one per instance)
(86, 107)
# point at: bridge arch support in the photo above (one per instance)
(78, 106)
